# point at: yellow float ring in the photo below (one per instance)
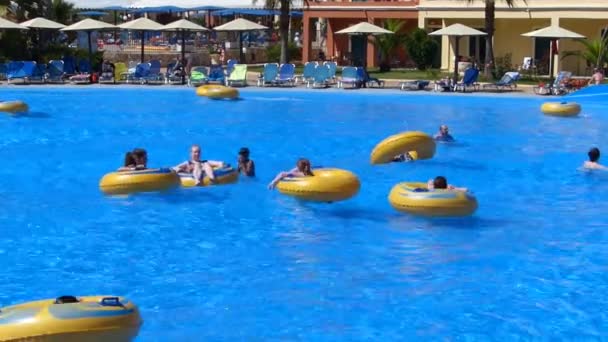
(415, 198)
(126, 182)
(418, 144)
(224, 175)
(94, 318)
(561, 108)
(14, 107)
(327, 185)
(216, 91)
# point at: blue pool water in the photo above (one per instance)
(242, 262)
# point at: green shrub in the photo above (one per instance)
(502, 65)
(273, 52)
(421, 48)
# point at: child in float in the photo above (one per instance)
(135, 160)
(592, 163)
(302, 169)
(443, 134)
(245, 165)
(441, 182)
(405, 157)
(198, 168)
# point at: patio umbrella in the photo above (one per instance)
(554, 33)
(240, 25)
(9, 25)
(457, 31)
(42, 24)
(141, 24)
(89, 25)
(183, 26)
(364, 29)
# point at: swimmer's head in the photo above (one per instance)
(594, 154)
(440, 182)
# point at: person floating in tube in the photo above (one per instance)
(302, 169)
(441, 182)
(135, 160)
(444, 134)
(198, 168)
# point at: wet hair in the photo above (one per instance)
(244, 151)
(139, 153)
(129, 159)
(303, 165)
(440, 182)
(594, 154)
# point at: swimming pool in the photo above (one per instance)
(241, 262)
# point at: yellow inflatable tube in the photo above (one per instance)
(419, 144)
(126, 182)
(216, 91)
(327, 185)
(561, 108)
(415, 198)
(71, 319)
(13, 107)
(224, 175)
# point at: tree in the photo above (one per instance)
(421, 48)
(490, 21)
(284, 6)
(387, 43)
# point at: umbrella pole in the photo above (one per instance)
(142, 45)
(184, 57)
(241, 58)
(456, 48)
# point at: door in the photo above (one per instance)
(357, 49)
(542, 48)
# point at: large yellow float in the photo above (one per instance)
(216, 91)
(561, 108)
(13, 107)
(126, 182)
(327, 185)
(224, 175)
(418, 144)
(415, 198)
(71, 319)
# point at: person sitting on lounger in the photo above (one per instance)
(198, 168)
(444, 134)
(592, 163)
(302, 169)
(441, 183)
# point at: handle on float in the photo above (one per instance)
(111, 301)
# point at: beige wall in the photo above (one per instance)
(586, 17)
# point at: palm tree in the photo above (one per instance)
(284, 6)
(490, 18)
(61, 11)
(387, 43)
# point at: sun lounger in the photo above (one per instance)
(269, 74)
(414, 85)
(55, 73)
(39, 73)
(308, 72)
(469, 80)
(333, 67)
(557, 88)
(20, 71)
(367, 79)
(349, 76)
(238, 76)
(83, 76)
(3, 70)
(286, 75)
(321, 77)
(198, 76)
(508, 81)
(216, 74)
